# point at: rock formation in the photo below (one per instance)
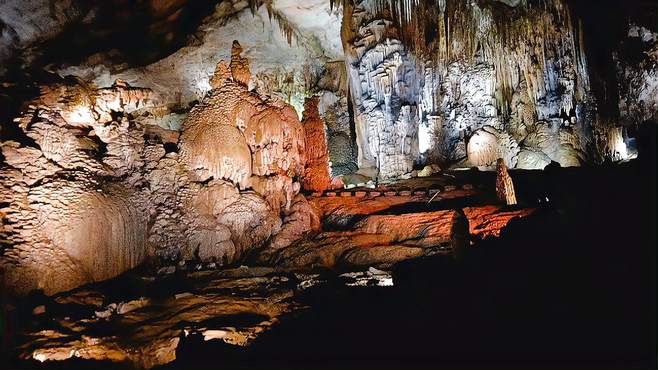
(371, 233)
(74, 197)
(94, 192)
(317, 175)
(638, 94)
(420, 98)
(147, 331)
(504, 184)
(487, 145)
(96, 161)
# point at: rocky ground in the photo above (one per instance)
(141, 317)
(569, 281)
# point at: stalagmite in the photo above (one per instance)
(317, 174)
(504, 184)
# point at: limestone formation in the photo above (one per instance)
(239, 65)
(278, 67)
(487, 145)
(559, 144)
(486, 69)
(317, 175)
(147, 332)
(504, 184)
(638, 87)
(372, 235)
(382, 82)
(183, 158)
(234, 133)
(64, 223)
(97, 192)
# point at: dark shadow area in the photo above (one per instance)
(571, 287)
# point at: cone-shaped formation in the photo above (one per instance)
(504, 184)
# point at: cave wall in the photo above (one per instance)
(516, 71)
(288, 45)
(637, 72)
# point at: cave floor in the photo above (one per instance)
(569, 285)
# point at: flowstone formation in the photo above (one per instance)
(513, 75)
(93, 189)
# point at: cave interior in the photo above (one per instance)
(326, 184)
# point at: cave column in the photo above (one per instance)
(384, 92)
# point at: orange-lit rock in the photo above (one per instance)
(299, 220)
(73, 213)
(379, 232)
(317, 176)
(234, 133)
(239, 65)
(147, 332)
(425, 230)
(375, 241)
(489, 221)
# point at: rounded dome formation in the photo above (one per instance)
(488, 144)
(218, 151)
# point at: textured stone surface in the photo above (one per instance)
(287, 45)
(415, 108)
(64, 223)
(143, 333)
(489, 221)
(638, 93)
(383, 87)
(97, 192)
(380, 242)
(334, 110)
(504, 185)
(378, 232)
(487, 145)
(317, 175)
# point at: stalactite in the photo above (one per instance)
(284, 25)
(518, 41)
(464, 65)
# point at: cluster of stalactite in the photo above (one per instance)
(519, 41)
(458, 67)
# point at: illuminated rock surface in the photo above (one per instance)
(504, 184)
(317, 139)
(97, 192)
(317, 176)
(234, 307)
(384, 230)
(145, 325)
